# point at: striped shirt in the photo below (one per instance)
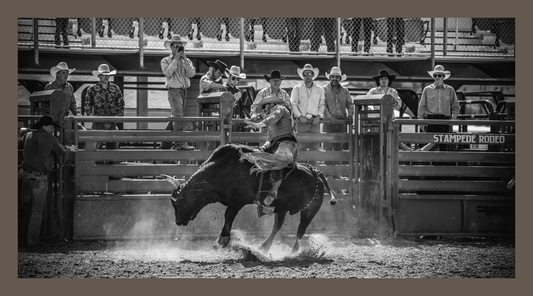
(178, 72)
(70, 103)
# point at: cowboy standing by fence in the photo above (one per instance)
(178, 70)
(39, 149)
(60, 74)
(274, 89)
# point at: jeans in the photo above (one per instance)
(106, 126)
(177, 98)
(39, 189)
(61, 31)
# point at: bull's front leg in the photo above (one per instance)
(229, 217)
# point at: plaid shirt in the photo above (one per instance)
(267, 92)
(101, 101)
(70, 103)
(338, 104)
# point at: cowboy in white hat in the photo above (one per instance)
(280, 149)
(60, 74)
(339, 107)
(234, 75)
(40, 146)
(274, 79)
(178, 71)
(439, 101)
(307, 101)
(212, 80)
(104, 99)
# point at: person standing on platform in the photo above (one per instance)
(307, 101)
(438, 101)
(338, 106)
(104, 99)
(178, 71)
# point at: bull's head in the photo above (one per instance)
(187, 202)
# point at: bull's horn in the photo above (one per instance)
(171, 180)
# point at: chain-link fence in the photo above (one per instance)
(357, 36)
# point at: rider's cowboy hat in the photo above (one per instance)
(103, 69)
(384, 73)
(174, 38)
(62, 66)
(440, 69)
(45, 120)
(336, 71)
(218, 64)
(274, 74)
(268, 100)
(236, 72)
(308, 67)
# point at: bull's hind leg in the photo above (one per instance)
(229, 217)
(306, 216)
(278, 222)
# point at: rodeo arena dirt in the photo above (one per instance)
(381, 198)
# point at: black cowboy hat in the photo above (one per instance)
(382, 73)
(45, 120)
(275, 74)
(218, 64)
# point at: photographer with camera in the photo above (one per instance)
(178, 71)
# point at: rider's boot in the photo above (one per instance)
(275, 179)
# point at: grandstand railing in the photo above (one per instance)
(412, 37)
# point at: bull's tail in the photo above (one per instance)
(332, 200)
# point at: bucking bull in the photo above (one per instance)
(223, 178)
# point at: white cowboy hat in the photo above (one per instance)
(103, 69)
(440, 69)
(336, 71)
(235, 71)
(174, 38)
(307, 67)
(60, 67)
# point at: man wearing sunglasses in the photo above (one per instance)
(308, 105)
(439, 101)
(234, 75)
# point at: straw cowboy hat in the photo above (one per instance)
(440, 69)
(174, 38)
(218, 64)
(307, 67)
(274, 74)
(45, 120)
(236, 72)
(336, 71)
(60, 67)
(103, 69)
(268, 100)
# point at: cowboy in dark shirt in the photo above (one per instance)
(39, 149)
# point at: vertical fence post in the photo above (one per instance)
(141, 42)
(432, 43)
(93, 32)
(241, 44)
(445, 37)
(36, 41)
(338, 37)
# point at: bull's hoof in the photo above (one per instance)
(333, 202)
(223, 241)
